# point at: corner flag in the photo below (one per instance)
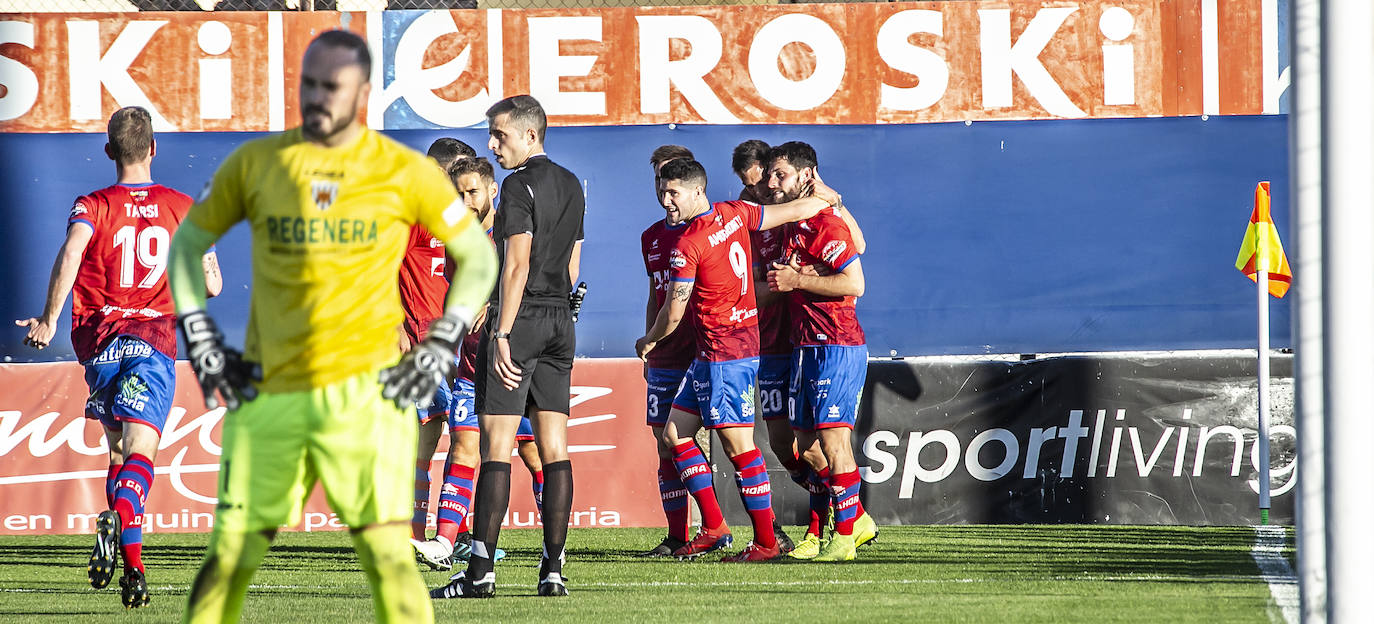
(1261, 249)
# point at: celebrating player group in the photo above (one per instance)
(396, 297)
(799, 348)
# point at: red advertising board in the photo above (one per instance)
(52, 461)
(837, 63)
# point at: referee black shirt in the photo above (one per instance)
(544, 199)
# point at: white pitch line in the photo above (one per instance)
(759, 584)
(1274, 570)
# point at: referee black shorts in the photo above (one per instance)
(541, 346)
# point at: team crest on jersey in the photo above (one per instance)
(676, 259)
(78, 209)
(324, 192)
(832, 251)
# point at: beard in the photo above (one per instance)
(318, 125)
(782, 196)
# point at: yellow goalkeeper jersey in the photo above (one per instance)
(329, 228)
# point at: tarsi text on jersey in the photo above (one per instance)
(303, 231)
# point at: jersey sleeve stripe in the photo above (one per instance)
(847, 263)
(683, 279)
(76, 220)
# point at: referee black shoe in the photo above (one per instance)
(666, 548)
(553, 584)
(459, 587)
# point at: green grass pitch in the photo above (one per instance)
(1001, 574)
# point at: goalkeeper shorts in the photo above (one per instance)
(344, 436)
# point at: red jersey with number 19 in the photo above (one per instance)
(121, 287)
(423, 283)
(713, 252)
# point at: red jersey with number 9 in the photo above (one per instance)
(713, 252)
(121, 287)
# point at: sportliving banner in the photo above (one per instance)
(1131, 438)
(53, 462)
(840, 63)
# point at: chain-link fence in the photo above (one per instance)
(83, 6)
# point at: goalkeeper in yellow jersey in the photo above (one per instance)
(321, 392)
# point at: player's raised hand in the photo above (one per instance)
(413, 380)
(218, 368)
(822, 190)
(40, 332)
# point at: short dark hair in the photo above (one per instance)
(665, 153)
(749, 153)
(684, 170)
(480, 166)
(348, 40)
(524, 110)
(130, 134)
(445, 150)
(798, 154)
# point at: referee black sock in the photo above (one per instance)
(558, 494)
(493, 497)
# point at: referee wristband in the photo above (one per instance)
(497, 335)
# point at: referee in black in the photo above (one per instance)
(524, 365)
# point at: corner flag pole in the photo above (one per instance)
(1261, 258)
(1262, 280)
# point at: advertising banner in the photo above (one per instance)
(1128, 438)
(53, 461)
(840, 63)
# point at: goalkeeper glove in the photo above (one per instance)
(413, 380)
(218, 367)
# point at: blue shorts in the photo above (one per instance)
(664, 384)
(726, 389)
(827, 383)
(526, 432)
(775, 373)
(462, 412)
(440, 405)
(130, 382)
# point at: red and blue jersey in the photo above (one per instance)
(774, 320)
(467, 354)
(713, 252)
(677, 351)
(423, 282)
(121, 287)
(823, 242)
